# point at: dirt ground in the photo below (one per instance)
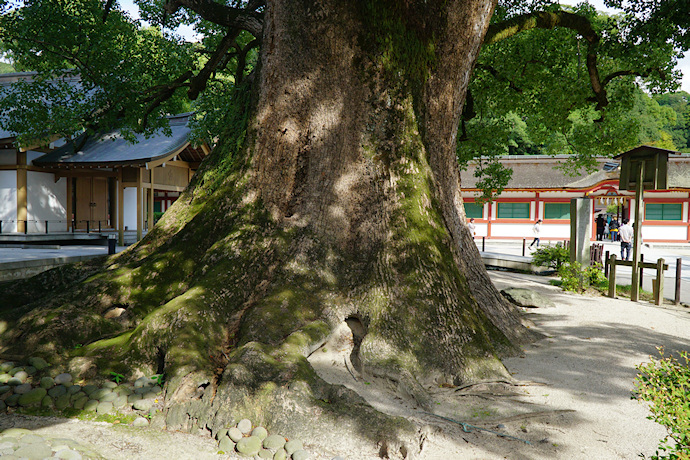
(566, 396)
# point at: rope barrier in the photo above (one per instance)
(467, 428)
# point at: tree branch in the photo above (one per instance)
(198, 82)
(246, 19)
(550, 20)
(495, 73)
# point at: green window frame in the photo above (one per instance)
(663, 211)
(556, 210)
(513, 211)
(474, 210)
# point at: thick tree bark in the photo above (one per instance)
(342, 207)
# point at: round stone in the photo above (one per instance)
(156, 389)
(149, 395)
(91, 405)
(133, 398)
(62, 379)
(5, 389)
(76, 396)
(80, 402)
(274, 442)
(34, 451)
(38, 363)
(14, 381)
(265, 454)
(300, 455)
(260, 432)
(47, 383)
(32, 397)
(4, 378)
(74, 389)
(30, 370)
(140, 422)
(142, 382)
(47, 402)
(235, 434)
(222, 432)
(110, 385)
(122, 390)
(280, 455)
(23, 388)
(104, 407)
(21, 375)
(100, 393)
(226, 445)
(3, 406)
(68, 454)
(88, 389)
(30, 439)
(110, 397)
(143, 404)
(12, 400)
(120, 401)
(57, 391)
(62, 402)
(293, 446)
(6, 366)
(245, 426)
(15, 370)
(249, 446)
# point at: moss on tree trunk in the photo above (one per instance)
(342, 204)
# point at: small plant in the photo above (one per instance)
(665, 384)
(575, 277)
(551, 256)
(117, 378)
(159, 379)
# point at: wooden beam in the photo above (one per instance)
(167, 158)
(22, 186)
(81, 173)
(205, 148)
(120, 208)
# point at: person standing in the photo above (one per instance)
(613, 229)
(472, 227)
(536, 230)
(626, 235)
(600, 227)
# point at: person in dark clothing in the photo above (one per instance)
(601, 224)
(613, 229)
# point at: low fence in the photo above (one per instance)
(22, 226)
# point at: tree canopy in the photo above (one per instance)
(560, 78)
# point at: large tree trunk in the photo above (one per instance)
(342, 206)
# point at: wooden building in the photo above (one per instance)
(107, 184)
(541, 189)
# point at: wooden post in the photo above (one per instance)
(641, 269)
(634, 285)
(140, 202)
(679, 268)
(69, 203)
(120, 208)
(22, 206)
(150, 213)
(612, 276)
(606, 265)
(659, 282)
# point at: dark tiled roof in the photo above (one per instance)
(532, 172)
(111, 149)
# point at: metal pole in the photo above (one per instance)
(679, 267)
(88, 226)
(524, 244)
(46, 227)
(483, 243)
(635, 284)
(26, 227)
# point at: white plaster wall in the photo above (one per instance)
(46, 201)
(8, 157)
(560, 231)
(519, 231)
(663, 232)
(481, 229)
(130, 208)
(8, 200)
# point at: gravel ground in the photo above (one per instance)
(567, 395)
